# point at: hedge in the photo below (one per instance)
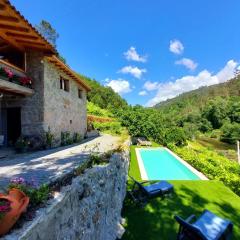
(213, 165)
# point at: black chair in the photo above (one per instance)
(141, 192)
(207, 227)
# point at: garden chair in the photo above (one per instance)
(143, 142)
(207, 227)
(141, 193)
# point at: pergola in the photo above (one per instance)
(17, 32)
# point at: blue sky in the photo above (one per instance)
(147, 51)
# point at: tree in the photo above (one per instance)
(216, 112)
(230, 132)
(47, 31)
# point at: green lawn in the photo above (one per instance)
(155, 220)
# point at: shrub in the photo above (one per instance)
(77, 138)
(48, 138)
(177, 136)
(66, 138)
(37, 195)
(230, 132)
(22, 145)
(109, 127)
(213, 165)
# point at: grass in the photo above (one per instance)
(155, 220)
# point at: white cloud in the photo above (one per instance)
(176, 47)
(150, 86)
(134, 71)
(188, 63)
(188, 83)
(142, 93)
(132, 55)
(120, 86)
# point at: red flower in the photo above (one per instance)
(8, 72)
(25, 80)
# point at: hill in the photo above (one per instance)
(103, 96)
(198, 98)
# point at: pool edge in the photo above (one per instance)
(143, 172)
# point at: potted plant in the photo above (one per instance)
(21, 146)
(12, 205)
(48, 139)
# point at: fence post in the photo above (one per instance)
(238, 151)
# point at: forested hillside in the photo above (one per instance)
(198, 98)
(103, 96)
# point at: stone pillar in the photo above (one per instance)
(32, 107)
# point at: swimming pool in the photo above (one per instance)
(162, 164)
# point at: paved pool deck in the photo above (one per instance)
(48, 165)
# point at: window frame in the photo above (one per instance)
(64, 84)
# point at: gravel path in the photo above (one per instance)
(45, 166)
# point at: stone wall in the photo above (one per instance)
(32, 106)
(49, 106)
(88, 209)
(63, 111)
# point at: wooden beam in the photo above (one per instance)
(2, 6)
(16, 28)
(10, 41)
(19, 35)
(9, 19)
(30, 43)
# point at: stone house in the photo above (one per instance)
(37, 90)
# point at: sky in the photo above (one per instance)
(147, 51)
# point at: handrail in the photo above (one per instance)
(12, 66)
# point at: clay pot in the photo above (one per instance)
(19, 202)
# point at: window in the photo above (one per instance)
(61, 83)
(64, 84)
(80, 93)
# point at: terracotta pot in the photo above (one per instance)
(19, 202)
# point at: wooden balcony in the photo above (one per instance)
(6, 86)
(13, 87)
(16, 70)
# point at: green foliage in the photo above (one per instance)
(190, 197)
(66, 138)
(37, 195)
(97, 111)
(155, 220)
(22, 145)
(230, 132)
(114, 128)
(48, 138)
(215, 112)
(152, 124)
(104, 96)
(47, 31)
(77, 138)
(176, 136)
(212, 164)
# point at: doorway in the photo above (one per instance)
(13, 125)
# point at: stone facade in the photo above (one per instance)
(49, 106)
(63, 111)
(88, 209)
(31, 107)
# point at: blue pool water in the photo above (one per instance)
(160, 164)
